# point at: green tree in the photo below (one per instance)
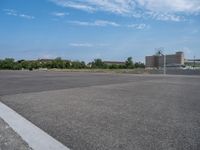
(17, 66)
(48, 64)
(67, 64)
(83, 65)
(34, 65)
(25, 64)
(139, 65)
(78, 65)
(129, 63)
(98, 63)
(113, 66)
(8, 63)
(1, 64)
(58, 63)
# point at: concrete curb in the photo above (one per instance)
(34, 136)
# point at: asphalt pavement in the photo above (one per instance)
(9, 139)
(87, 111)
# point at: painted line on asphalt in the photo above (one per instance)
(34, 136)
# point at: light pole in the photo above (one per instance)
(161, 54)
(164, 68)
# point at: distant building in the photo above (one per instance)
(192, 62)
(173, 60)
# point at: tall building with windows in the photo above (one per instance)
(155, 61)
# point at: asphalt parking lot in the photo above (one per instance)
(98, 111)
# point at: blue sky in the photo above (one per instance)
(107, 29)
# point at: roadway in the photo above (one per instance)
(87, 111)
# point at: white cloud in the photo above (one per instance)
(26, 16)
(187, 6)
(138, 26)
(167, 9)
(87, 45)
(12, 12)
(81, 45)
(104, 23)
(114, 6)
(165, 16)
(60, 14)
(73, 4)
(101, 23)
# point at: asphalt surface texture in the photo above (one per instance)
(9, 139)
(98, 111)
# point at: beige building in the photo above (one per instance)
(155, 61)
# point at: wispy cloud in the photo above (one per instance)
(60, 14)
(128, 6)
(101, 23)
(26, 16)
(165, 16)
(114, 6)
(74, 4)
(81, 44)
(12, 12)
(104, 23)
(184, 6)
(87, 45)
(138, 26)
(165, 10)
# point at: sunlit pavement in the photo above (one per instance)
(108, 111)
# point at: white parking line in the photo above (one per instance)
(34, 136)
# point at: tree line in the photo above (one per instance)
(59, 63)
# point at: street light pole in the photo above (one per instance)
(164, 68)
